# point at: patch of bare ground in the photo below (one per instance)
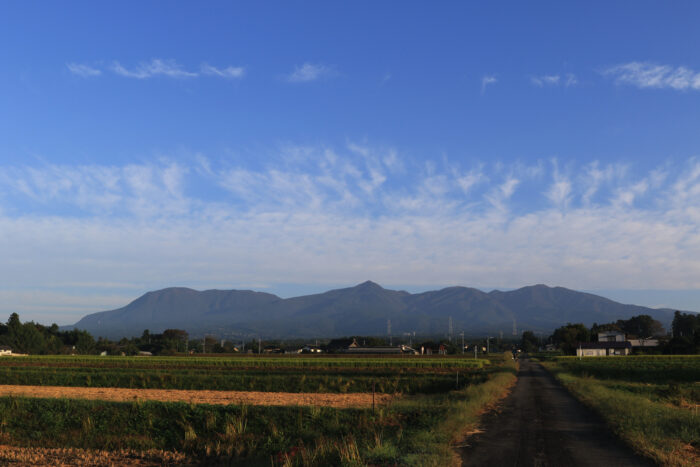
(21, 456)
(358, 400)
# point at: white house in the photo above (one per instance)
(603, 349)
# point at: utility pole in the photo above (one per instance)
(449, 329)
(259, 345)
(515, 328)
(462, 333)
(388, 330)
(488, 341)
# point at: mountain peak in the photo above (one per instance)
(369, 285)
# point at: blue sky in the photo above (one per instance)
(296, 146)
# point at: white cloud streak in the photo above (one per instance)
(548, 80)
(487, 80)
(228, 72)
(568, 80)
(331, 216)
(157, 67)
(647, 75)
(85, 71)
(309, 72)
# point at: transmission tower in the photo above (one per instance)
(449, 328)
(515, 328)
(388, 330)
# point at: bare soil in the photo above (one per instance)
(359, 400)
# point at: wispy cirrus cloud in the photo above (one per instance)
(487, 80)
(342, 215)
(309, 72)
(228, 72)
(85, 71)
(559, 192)
(154, 68)
(567, 80)
(648, 75)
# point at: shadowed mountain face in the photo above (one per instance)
(363, 309)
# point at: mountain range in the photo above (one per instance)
(360, 310)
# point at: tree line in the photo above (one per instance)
(36, 339)
(684, 339)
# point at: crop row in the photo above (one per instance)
(406, 383)
(644, 369)
(245, 362)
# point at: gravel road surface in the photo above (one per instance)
(541, 424)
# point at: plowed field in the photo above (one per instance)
(198, 397)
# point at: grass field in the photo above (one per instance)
(652, 402)
(436, 400)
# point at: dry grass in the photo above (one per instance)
(21, 456)
(358, 400)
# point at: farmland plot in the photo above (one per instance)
(420, 406)
(650, 401)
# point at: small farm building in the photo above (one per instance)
(603, 349)
(639, 344)
(5, 350)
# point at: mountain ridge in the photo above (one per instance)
(361, 309)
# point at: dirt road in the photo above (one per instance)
(541, 424)
(199, 397)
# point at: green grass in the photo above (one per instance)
(404, 381)
(655, 418)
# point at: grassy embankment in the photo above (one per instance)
(651, 402)
(415, 430)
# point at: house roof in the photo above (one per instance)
(342, 343)
(5, 347)
(374, 350)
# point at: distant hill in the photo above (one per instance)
(363, 309)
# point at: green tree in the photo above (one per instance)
(85, 344)
(642, 326)
(568, 337)
(529, 342)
